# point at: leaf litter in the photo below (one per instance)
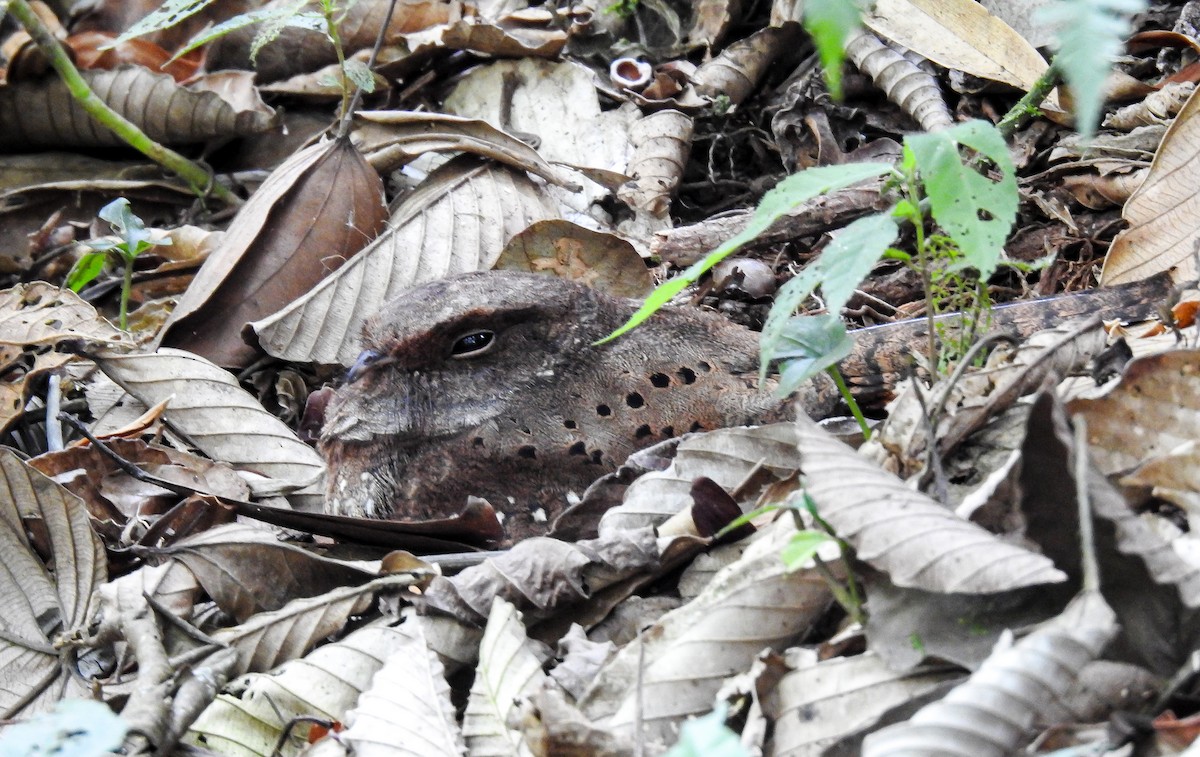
(941, 610)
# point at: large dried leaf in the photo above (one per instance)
(509, 668)
(43, 113)
(602, 261)
(1152, 411)
(457, 221)
(45, 587)
(407, 710)
(821, 703)
(725, 455)
(752, 604)
(992, 713)
(326, 683)
(209, 408)
(962, 35)
(311, 215)
(392, 138)
(1162, 233)
(1155, 593)
(272, 638)
(542, 576)
(247, 570)
(298, 49)
(904, 533)
(35, 316)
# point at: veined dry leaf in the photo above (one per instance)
(271, 638)
(751, 604)
(724, 455)
(247, 570)
(43, 113)
(1152, 411)
(991, 714)
(1162, 233)
(507, 38)
(661, 143)
(543, 577)
(299, 50)
(1154, 592)
(458, 220)
(818, 705)
(601, 260)
(509, 669)
(312, 214)
(46, 585)
(407, 710)
(738, 69)
(917, 542)
(1159, 107)
(209, 409)
(325, 683)
(36, 316)
(905, 83)
(962, 35)
(390, 139)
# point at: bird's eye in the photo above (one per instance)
(473, 344)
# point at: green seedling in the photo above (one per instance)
(134, 240)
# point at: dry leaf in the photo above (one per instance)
(43, 113)
(601, 260)
(1162, 233)
(216, 415)
(52, 564)
(249, 719)
(961, 35)
(457, 221)
(904, 82)
(509, 668)
(916, 541)
(992, 713)
(311, 215)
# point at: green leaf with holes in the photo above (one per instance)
(787, 195)
(974, 208)
(808, 345)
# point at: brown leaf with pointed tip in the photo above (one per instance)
(311, 215)
(43, 113)
(599, 259)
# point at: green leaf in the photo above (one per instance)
(261, 15)
(843, 264)
(801, 548)
(74, 727)
(708, 736)
(808, 345)
(359, 73)
(1090, 35)
(976, 211)
(85, 270)
(830, 23)
(127, 225)
(164, 17)
(787, 194)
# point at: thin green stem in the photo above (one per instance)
(329, 8)
(1028, 105)
(199, 179)
(855, 410)
(126, 286)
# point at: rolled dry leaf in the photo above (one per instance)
(915, 90)
(312, 214)
(737, 71)
(43, 113)
(661, 143)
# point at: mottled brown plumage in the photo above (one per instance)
(539, 412)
